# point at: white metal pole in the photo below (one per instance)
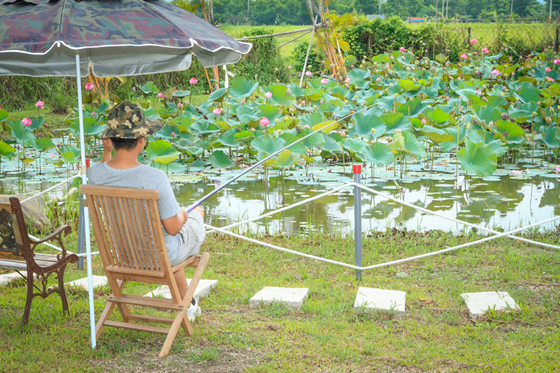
(86, 212)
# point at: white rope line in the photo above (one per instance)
(386, 263)
(281, 248)
(284, 208)
(461, 246)
(49, 189)
(58, 248)
(450, 218)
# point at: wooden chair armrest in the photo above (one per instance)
(55, 236)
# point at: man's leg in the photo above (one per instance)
(180, 277)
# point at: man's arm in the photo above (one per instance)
(174, 224)
(107, 150)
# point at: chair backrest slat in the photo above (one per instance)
(129, 223)
(10, 238)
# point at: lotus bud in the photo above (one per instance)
(505, 116)
(551, 110)
(548, 120)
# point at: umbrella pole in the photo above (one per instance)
(86, 212)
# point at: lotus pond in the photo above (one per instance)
(476, 140)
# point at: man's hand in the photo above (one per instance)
(107, 150)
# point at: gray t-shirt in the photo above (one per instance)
(144, 177)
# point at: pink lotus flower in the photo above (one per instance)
(495, 72)
(343, 133)
(172, 134)
(179, 105)
(324, 81)
(89, 87)
(557, 170)
(265, 121)
(458, 78)
(387, 66)
(398, 130)
(556, 61)
(40, 104)
(479, 91)
(290, 67)
(547, 69)
(160, 95)
(193, 81)
(306, 126)
(549, 79)
(517, 172)
(308, 73)
(268, 94)
(464, 56)
(26, 122)
(448, 98)
(473, 41)
(217, 111)
(378, 79)
(423, 121)
(402, 49)
(243, 101)
(485, 50)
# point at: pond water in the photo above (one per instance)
(509, 199)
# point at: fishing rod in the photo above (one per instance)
(193, 206)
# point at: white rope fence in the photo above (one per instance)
(496, 235)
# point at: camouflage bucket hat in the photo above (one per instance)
(127, 121)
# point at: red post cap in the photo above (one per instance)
(357, 168)
(87, 162)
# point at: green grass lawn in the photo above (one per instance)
(327, 335)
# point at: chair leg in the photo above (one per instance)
(29, 298)
(61, 290)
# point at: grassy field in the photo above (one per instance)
(327, 335)
(486, 33)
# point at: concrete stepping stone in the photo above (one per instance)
(83, 282)
(479, 303)
(5, 279)
(203, 289)
(371, 299)
(291, 297)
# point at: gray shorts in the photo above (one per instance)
(192, 234)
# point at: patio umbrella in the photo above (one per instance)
(44, 38)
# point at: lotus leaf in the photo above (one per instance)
(412, 108)
(285, 159)
(331, 145)
(280, 95)
(228, 138)
(269, 111)
(160, 148)
(267, 144)
(6, 150)
(218, 95)
(395, 121)
(326, 127)
(550, 136)
(166, 159)
(512, 129)
(203, 127)
(91, 127)
(437, 135)
(241, 87)
(358, 78)
(478, 158)
(181, 94)
(168, 132)
(219, 159)
(43, 144)
(289, 138)
(353, 145)
(366, 122)
(377, 153)
(149, 88)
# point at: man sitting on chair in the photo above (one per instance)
(126, 133)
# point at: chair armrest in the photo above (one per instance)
(55, 236)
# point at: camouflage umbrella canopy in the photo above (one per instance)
(115, 37)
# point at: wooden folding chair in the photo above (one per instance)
(129, 235)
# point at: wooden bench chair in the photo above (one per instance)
(129, 235)
(17, 252)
